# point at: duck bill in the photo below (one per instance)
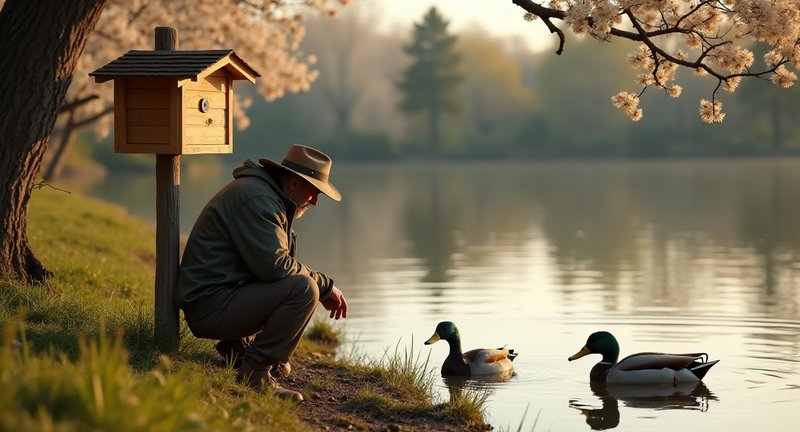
(580, 354)
(432, 339)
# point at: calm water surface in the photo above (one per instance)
(669, 256)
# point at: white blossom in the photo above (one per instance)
(629, 103)
(674, 90)
(730, 84)
(710, 37)
(711, 112)
(264, 33)
(783, 77)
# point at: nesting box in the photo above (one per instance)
(174, 102)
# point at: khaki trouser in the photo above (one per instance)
(275, 312)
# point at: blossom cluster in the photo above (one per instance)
(628, 102)
(711, 37)
(711, 112)
(265, 33)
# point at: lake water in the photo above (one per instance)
(675, 256)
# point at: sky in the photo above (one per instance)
(500, 18)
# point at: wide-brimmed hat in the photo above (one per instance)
(310, 164)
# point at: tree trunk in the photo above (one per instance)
(41, 42)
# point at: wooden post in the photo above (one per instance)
(168, 182)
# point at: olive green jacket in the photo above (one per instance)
(243, 234)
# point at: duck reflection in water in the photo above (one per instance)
(477, 387)
(686, 396)
(478, 381)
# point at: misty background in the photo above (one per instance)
(517, 103)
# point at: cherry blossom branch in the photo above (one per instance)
(710, 26)
(545, 14)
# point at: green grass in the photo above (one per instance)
(467, 406)
(97, 392)
(102, 259)
(80, 356)
(100, 391)
(406, 372)
(321, 331)
(86, 359)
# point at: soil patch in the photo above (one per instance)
(334, 401)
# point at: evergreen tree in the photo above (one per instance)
(431, 83)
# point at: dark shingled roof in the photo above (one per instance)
(179, 64)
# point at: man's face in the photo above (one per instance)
(303, 194)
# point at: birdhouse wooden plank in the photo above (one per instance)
(174, 102)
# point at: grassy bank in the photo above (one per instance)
(80, 356)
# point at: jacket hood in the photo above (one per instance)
(250, 168)
(254, 169)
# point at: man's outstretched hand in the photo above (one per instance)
(336, 304)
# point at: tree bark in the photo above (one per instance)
(41, 42)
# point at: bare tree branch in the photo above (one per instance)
(91, 119)
(72, 105)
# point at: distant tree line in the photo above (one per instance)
(374, 105)
(429, 93)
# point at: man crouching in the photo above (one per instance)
(239, 281)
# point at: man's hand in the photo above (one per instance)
(336, 304)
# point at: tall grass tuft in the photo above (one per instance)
(138, 325)
(407, 373)
(467, 405)
(320, 330)
(97, 392)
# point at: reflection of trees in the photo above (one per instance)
(589, 220)
(769, 226)
(467, 210)
(642, 234)
(671, 232)
(431, 217)
(736, 220)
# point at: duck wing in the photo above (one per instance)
(489, 355)
(651, 360)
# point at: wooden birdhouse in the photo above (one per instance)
(174, 102)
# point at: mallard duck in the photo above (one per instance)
(486, 361)
(642, 368)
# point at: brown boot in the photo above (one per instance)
(280, 370)
(259, 378)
